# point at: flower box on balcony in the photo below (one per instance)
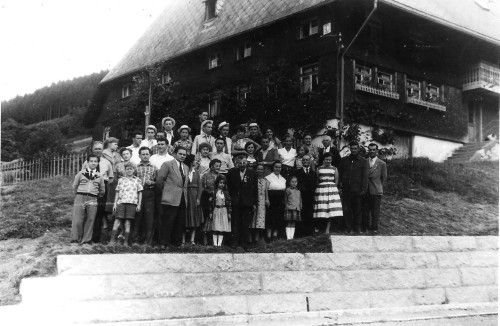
(377, 91)
(426, 104)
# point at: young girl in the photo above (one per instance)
(127, 201)
(194, 214)
(88, 185)
(221, 211)
(293, 206)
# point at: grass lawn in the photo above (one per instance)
(422, 198)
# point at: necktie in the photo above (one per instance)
(307, 170)
(182, 173)
(225, 146)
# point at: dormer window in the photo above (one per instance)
(212, 9)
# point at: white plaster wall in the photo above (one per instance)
(434, 149)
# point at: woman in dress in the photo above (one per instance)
(274, 142)
(207, 185)
(194, 214)
(221, 211)
(252, 158)
(184, 141)
(203, 158)
(240, 140)
(327, 204)
(258, 223)
(276, 193)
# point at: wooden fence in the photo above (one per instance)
(21, 171)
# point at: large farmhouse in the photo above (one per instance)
(431, 65)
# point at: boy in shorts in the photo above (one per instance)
(127, 201)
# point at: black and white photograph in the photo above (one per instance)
(249, 162)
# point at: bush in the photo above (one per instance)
(474, 182)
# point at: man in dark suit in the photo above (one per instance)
(168, 124)
(328, 148)
(353, 175)
(267, 156)
(376, 180)
(306, 178)
(172, 182)
(243, 189)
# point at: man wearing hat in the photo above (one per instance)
(254, 134)
(204, 137)
(224, 133)
(150, 140)
(168, 124)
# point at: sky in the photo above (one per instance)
(43, 42)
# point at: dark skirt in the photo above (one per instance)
(194, 214)
(276, 211)
(206, 205)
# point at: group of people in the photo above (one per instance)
(251, 187)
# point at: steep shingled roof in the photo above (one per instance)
(181, 28)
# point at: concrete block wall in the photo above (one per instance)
(360, 273)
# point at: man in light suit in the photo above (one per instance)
(376, 179)
(172, 182)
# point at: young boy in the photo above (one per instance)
(144, 223)
(88, 185)
(127, 201)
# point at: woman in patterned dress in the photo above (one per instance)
(258, 223)
(327, 204)
(184, 140)
(207, 185)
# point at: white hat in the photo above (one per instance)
(253, 124)
(184, 127)
(151, 127)
(205, 122)
(222, 124)
(168, 118)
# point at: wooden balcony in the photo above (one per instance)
(482, 76)
(426, 104)
(377, 91)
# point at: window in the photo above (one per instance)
(105, 133)
(431, 93)
(308, 28)
(214, 107)
(165, 78)
(309, 78)
(413, 89)
(243, 51)
(243, 92)
(214, 60)
(210, 9)
(385, 81)
(362, 75)
(125, 91)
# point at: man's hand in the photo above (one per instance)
(138, 208)
(114, 208)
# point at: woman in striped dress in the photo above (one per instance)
(327, 203)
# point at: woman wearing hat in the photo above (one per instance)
(168, 124)
(184, 140)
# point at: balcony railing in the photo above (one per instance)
(426, 104)
(377, 91)
(482, 76)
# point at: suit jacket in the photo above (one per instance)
(353, 174)
(243, 193)
(377, 177)
(169, 182)
(335, 156)
(271, 156)
(306, 182)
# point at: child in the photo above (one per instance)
(194, 214)
(203, 158)
(221, 210)
(88, 185)
(127, 201)
(293, 206)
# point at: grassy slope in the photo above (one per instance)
(422, 198)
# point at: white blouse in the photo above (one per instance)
(276, 182)
(287, 157)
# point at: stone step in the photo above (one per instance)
(251, 262)
(107, 287)
(101, 311)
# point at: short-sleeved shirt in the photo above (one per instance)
(276, 182)
(128, 189)
(288, 157)
(157, 159)
(226, 162)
